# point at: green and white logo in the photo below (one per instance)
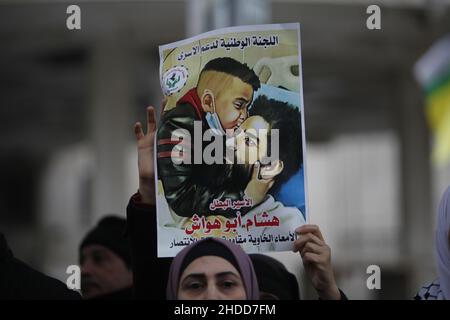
(174, 79)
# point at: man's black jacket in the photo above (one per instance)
(20, 281)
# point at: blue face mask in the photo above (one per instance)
(214, 122)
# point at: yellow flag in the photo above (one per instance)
(433, 73)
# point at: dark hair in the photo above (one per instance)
(287, 119)
(234, 68)
(110, 233)
(274, 280)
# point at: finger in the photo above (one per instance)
(306, 238)
(311, 258)
(151, 119)
(313, 248)
(279, 165)
(255, 174)
(272, 170)
(310, 228)
(138, 131)
(309, 237)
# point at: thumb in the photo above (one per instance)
(256, 168)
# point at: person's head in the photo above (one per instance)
(105, 259)
(225, 88)
(443, 244)
(275, 281)
(212, 269)
(285, 118)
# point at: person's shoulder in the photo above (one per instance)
(182, 109)
(287, 210)
(183, 116)
(5, 251)
(430, 291)
(22, 281)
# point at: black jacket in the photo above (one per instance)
(20, 281)
(150, 273)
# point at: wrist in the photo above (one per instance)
(147, 191)
(330, 293)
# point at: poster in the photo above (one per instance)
(231, 139)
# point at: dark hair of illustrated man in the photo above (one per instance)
(234, 68)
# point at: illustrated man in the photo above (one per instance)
(273, 115)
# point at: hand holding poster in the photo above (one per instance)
(230, 142)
